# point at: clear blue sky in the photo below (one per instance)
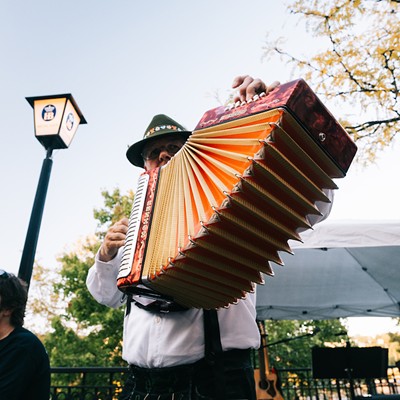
(125, 61)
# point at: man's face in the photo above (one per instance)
(159, 151)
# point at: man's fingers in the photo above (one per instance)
(257, 86)
(249, 87)
(119, 227)
(243, 84)
(115, 236)
(114, 239)
(272, 86)
(238, 81)
(116, 233)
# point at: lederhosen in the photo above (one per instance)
(212, 339)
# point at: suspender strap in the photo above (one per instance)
(128, 304)
(213, 351)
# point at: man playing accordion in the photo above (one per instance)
(165, 347)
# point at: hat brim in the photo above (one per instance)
(134, 152)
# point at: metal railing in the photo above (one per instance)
(298, 384)
(94, 383)
(89, 383)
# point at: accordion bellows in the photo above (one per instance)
(205, 227)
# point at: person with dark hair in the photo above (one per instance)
(24, 362)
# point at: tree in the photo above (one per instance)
(359, 68)
(290, 342)
(86, 333)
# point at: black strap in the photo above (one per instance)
(213, 352)
(156, 306)
(128, 304)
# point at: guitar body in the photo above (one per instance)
(266, 380)
(266, 389)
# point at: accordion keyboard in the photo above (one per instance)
(133, 226)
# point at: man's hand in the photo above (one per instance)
(248, 87)
(114, 239)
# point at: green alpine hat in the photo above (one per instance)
(160, 125)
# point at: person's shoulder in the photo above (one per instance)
(23, 333)
(27, 346)
(27, 338)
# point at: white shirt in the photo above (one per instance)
(176, 338)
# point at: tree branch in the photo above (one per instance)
(368, 124)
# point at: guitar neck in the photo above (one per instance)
(263, 346)
(261, 366)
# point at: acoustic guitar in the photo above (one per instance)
(266, 379)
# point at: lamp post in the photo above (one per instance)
(56, 120)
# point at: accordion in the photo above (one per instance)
(205, 227)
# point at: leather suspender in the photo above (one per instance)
(213, 352)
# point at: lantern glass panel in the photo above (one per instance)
(48, 115)
(70, 123)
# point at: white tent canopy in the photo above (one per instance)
(342, 269)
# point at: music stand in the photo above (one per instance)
(349, 363)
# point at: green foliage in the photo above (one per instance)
(115, 207)
(86, 333)
(64, 344)
(81, 306)
(290, 342)
(392, 341)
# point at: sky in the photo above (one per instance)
(125, 61)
